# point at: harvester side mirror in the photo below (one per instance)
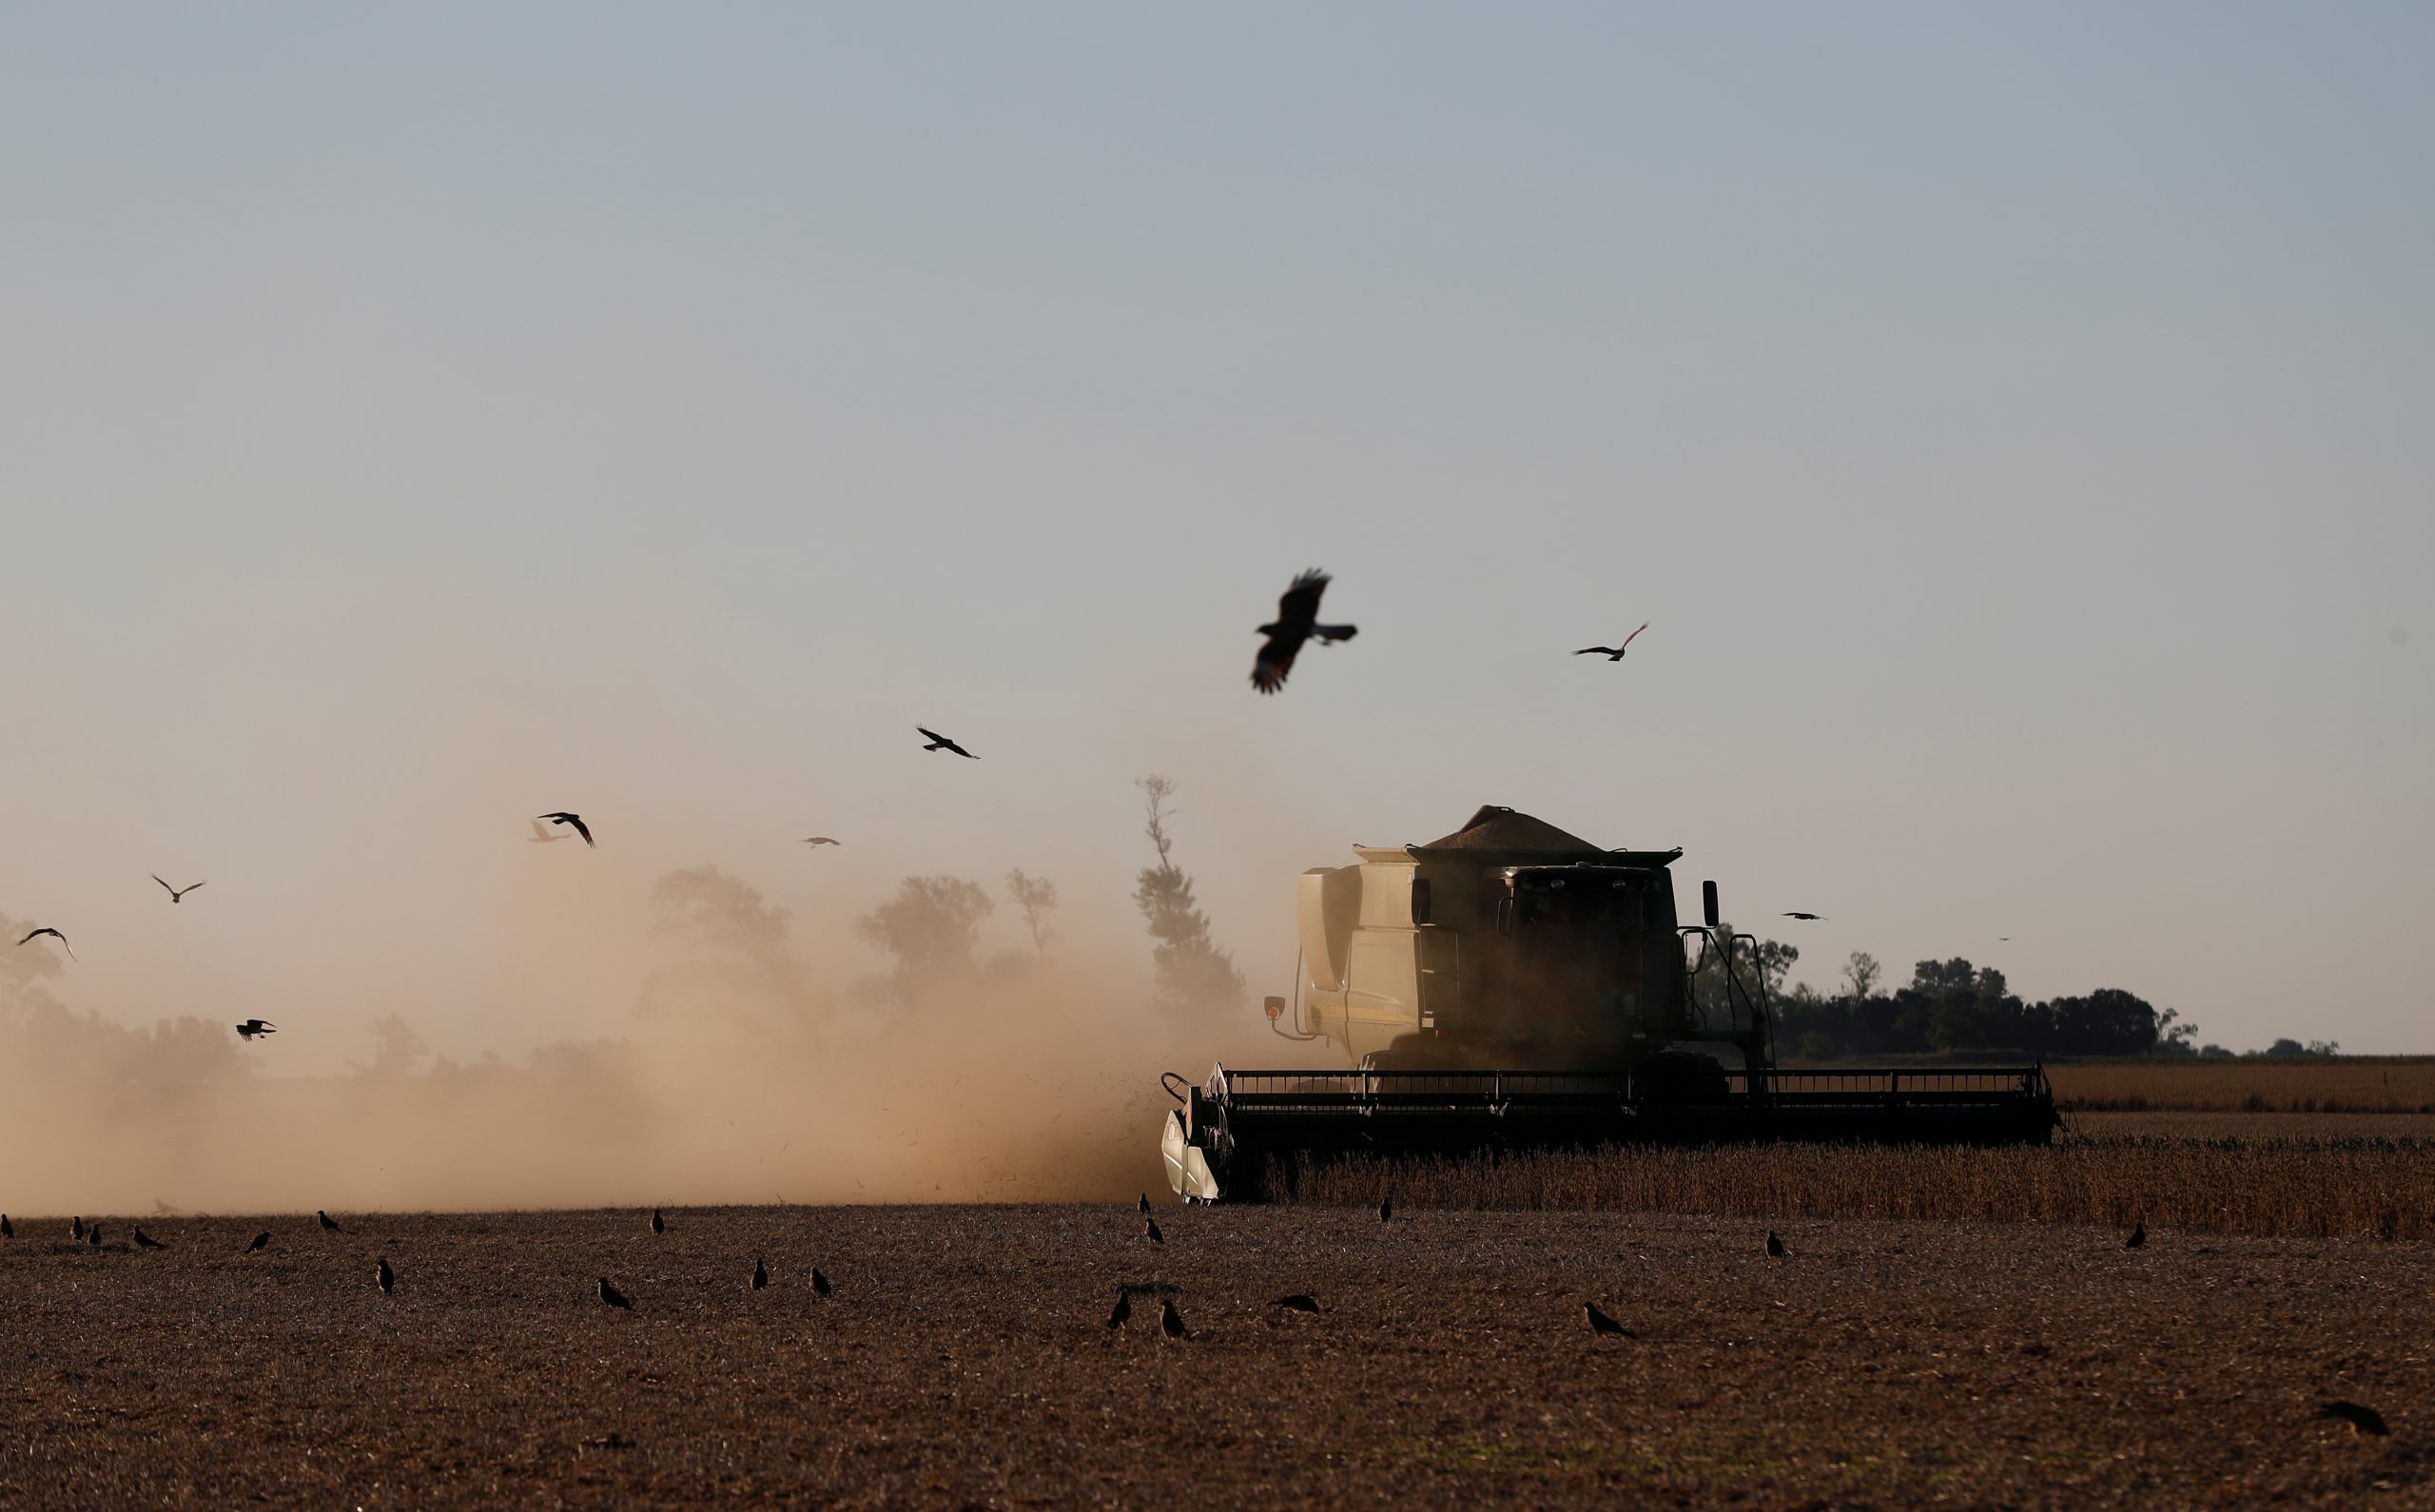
(1420, 900)
(1707, 902)
(1275, 1006)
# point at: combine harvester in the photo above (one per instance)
(1512, 987)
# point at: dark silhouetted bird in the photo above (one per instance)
(1297, 620)
(2138, 1236)
(262, 1241)
(328, 1222)
(1776, 1250)
(615, 1298)
(1122, 1312)
(1386, 1208)
(144, 1241)
(823, 839)
(820, 1286)
(939, 742)
(2362, 1419)
(658, 1224)
(577, 820)
(93, 1235)
(1602, 1325)
(54, 934)
(176, 893)
(1612, 653)
(1145, 1204)
(1813, 917)
(760, 1275)
(7, 1229)
(1150, 1232)
(256, 1026)
(388, 1278)
(1298, 1302)
(1170, 1321)
(76, 1227)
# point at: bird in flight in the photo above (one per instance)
(577, 820)
(823, 839)
(1612, 653)
(541, 835)
(1297, 620)
(256, 1026)
(609, 1294)
(939, 742)
(176, 893)
(53, 934)
(1813, 917)
(1600, 1324)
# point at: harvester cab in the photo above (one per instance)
(1512, 985)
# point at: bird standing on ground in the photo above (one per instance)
(144, 1241)
(93, 1235)
(53, 934)
(821, 839)
(76, 1227)
(939, 742)
(1170, 1321)
(387, 1277)
(328, 1222)
(1612, 653)
(2138, 1236)
(577, 820)
(1298, 1302)
(1150, 1232)
(760, 1273)
(658, 1224)
(820, 1286)
(1297, 620)
(1386, 1208)
(1600, 1324)
(262, 1241)
(615, 1298)
(1812, 918)
(1776, 1250)
(1123, 1313)
(1145, 1204)
(176, 893)
(256, 1026)
(7, 1229)
(2362, 1419)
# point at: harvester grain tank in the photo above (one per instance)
(1511, 985)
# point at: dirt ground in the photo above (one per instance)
(963, 1360)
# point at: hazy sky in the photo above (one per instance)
(2016, 421)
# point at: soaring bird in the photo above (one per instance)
(1612, 653)
(577, 820)
(261, 1242)
(820, 1286)
(760, 1273)
(658, 1224)
(388, 1278)
(2362, 1419)
(1122, 1312)
(256, 1026)
(328, 1222)
(939, 742)
(609, 1294)
(175, 893)
(542, 836)
(1170, 1321)
(7, 1229)
(1150, 1232)
(2138, 1236)
(1298, 1302)
(1813, 917)
(1776, 1250)
(823, 839)
(53, 934)
(1602, 1325)
(1297, 620)
(144, 1241)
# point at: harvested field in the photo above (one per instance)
(963, 1360)
(2356, 1086)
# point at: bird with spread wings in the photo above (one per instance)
(577, 820)
(176, 893)
(1297, 620)
(1612, 653)
(54, 934)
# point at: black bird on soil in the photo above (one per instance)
(1145, 1204)
(2362, 1419)
(1297, 620)
(7, 1229)
(262, 1241)
(760, 1273)
(1170, 1321)
(658, 1224)
(1612, 653)
(577, 820)
(1298, 1302)
(615, 1298)
(820, 1286)
(1812, 918)
(388, 1278)
(76, 1227)
(2138, 1236)
(256, 1026)
(144, 1241)
(328, 1222)
(1122, 1312)
(54, 934)
(1150, 1232)
(1602, 1325)
(1386, 1208)
(176, 893)
(93, 1235)
(1776, 1250)
(939, 742)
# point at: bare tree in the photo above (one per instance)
(1193, 973)
(1861, 973)
(1037, 898)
